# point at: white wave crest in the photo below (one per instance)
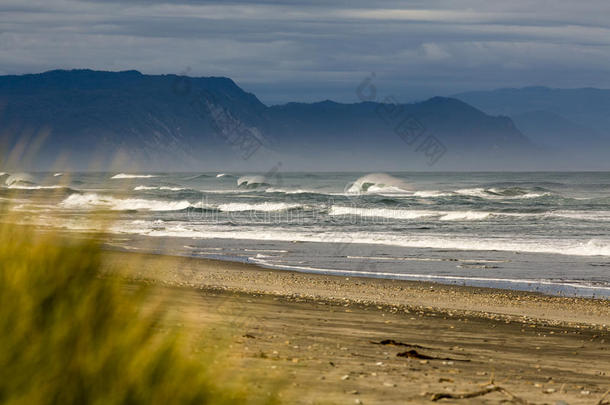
(143, 188)
(473, 192)
(534, 195)
(432, 193)
(96, 201)
(20, 187)
(379, 183)
(133, 176)
(498, 194)
(490, 194)
(594, 247)
(287, 191)
(223, 191)
(14, 179)
(380, 212)
(520, 193)
(266, 206)
(465, 216)
(252, 181)
(410, 214)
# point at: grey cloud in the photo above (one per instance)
(303, 50)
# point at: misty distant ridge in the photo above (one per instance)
(556, 118)
(170, 122)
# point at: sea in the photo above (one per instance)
(543, 232)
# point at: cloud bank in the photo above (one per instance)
(313, 50)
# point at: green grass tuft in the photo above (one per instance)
(69, 336)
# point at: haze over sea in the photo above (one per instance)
(544, 232)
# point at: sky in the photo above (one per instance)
(314, 50)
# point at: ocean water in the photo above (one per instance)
(547, 232)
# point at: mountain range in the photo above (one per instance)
(87, 119)
(558, 119)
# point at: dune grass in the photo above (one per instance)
(70, 336)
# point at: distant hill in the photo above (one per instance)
(554, 131)
(153, 120)
(368, 130)
(561, 118)
(174, 122)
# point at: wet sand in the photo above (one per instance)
(320, 336)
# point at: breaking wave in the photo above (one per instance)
(133, 176)
(379, 183)
(411, 214)
(486, 193)
(26, 187)
(592, 247)
(146, 188)
(250, 181)
(18, 179)
(380, 212)
(337, 210)
(466, 216)
(295, 191)
(499, 193)
(265, 206)
(433, 193)
(96, 201)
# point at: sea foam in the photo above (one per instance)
(147, 188)
(133, 176)
(265, 207)
(593, 247)
(96, 201)
(410, 214)
(380, 212)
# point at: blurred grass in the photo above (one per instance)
(71, 336)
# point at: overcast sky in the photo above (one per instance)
(309, 50)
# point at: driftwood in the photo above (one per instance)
(491, 387)
(413, 354)
(473, 394)
(602, 400)
(392, 342)
(496, 388)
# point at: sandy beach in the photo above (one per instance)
(331, 339)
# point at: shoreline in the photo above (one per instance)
(316, 339)
(548, 274)
(455, 300)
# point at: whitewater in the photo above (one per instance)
(544, 232)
